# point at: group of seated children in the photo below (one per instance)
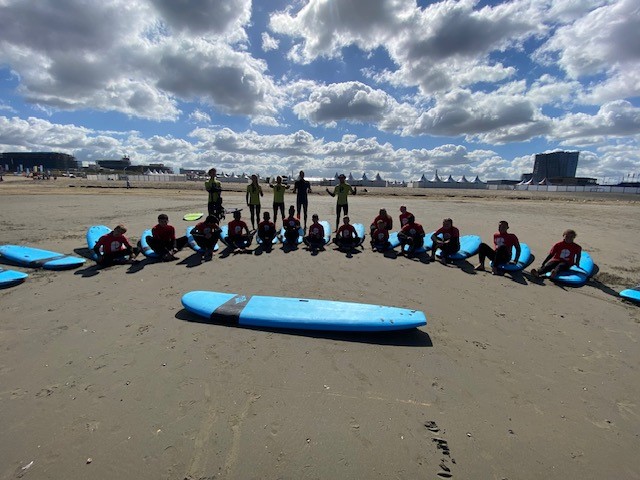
(114, 247)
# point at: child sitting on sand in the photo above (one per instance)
(114, 247)
(163, 239)
(562, 257)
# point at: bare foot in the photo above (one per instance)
(480, 268)
(535, 273)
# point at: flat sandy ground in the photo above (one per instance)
(516, 379)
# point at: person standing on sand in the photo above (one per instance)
(302, 188)
(562, 257)
(254, 192)
(504, 242)
(214, 187)
(448, 243)
(278, 198)
(342, 190)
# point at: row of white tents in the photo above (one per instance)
(437, 182)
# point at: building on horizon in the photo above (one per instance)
(23, 161)
(120, 164)
(555, 165)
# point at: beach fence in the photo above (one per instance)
(573, 188)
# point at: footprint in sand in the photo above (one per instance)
(432, 427)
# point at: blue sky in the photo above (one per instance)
(395, 87)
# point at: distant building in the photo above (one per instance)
(555, 165)
(121, 164)
(20, 161)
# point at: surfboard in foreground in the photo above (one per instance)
(35, 257)
(299, 313)
(632, 294)
(9, 278)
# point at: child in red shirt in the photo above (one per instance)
(114, 247)
(238, 236)
(563, 256)
(346, 236)
(206, 234)
(315, 239)
(291, 226)
(163, 239)
(380, 237)
(266, 231)
(501, 254)
(448, 243)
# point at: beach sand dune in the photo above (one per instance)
(511, 378)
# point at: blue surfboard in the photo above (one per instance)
(578, 275)
(93, 235)
(523, 260)
(11, 277)
(146, 249)
(194, 245)
(360, 231)
(632, 294)
(35, 257)
(299, 313)
(469, 245)
(427, 244)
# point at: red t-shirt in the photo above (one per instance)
(111, 243)
(505, 239)
(380, 235)
(316, 231)
(205, 228)
(266, 227)
(347, 231)
(565, 252)
(236, 228)
(388, 221)
(291, 223)
(453, 232)
(412, 229)
(166, 233)
(404, 218)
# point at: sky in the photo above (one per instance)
(392, 87)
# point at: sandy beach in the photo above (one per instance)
(103, 375)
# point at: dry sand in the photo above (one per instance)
(518, 380)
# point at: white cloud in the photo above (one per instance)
(269, 43)
(613, 120)
(605, 40)
(198, 116)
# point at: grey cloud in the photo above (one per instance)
(350, 101)
(230, 80)
(202, 16)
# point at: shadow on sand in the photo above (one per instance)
(402, 338)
